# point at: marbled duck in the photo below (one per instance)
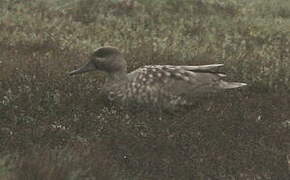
(154, 85)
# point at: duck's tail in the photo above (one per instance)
(231, 85)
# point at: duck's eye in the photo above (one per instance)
(101, 54)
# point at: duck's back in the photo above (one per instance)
(171, 84)
(168, 86)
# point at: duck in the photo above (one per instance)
(165, 86)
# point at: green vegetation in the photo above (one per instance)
(57, 127)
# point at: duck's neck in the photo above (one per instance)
(117, 76)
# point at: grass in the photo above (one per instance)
(56, 127)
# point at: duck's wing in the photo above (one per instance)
(174, 83)
(204, 78)
(205, 74)
(201, 67)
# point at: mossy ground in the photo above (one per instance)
(58, 127)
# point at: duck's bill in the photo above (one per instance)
(86, 68)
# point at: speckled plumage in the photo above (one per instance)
(154, 85)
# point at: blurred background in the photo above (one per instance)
(53, 126)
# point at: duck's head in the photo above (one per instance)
(107, 59)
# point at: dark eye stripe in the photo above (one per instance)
(105, 52)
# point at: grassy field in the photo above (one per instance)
(53, 126)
